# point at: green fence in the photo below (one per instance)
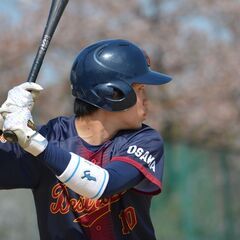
(200, 198)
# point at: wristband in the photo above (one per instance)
(84, 177)
(37, 144)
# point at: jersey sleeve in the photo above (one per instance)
(145, 151)
(18, 169)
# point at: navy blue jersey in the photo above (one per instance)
(63, 214)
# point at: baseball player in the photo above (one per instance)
(92, 174)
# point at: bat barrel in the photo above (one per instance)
(32, 77)
(55, 13)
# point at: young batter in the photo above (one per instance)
(92, 174)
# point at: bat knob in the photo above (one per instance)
(10, 136)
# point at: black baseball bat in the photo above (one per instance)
(55, 13)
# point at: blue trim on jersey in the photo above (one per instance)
(73, 171)
(101, 186)
(122, 176)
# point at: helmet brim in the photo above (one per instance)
(152, 78)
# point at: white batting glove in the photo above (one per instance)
(22, 96)
(3, 113)
(28, 138)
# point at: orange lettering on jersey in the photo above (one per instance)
(129, 219)
(60, 193)
(89, 210)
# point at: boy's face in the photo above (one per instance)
(136, 115)
(141, 107)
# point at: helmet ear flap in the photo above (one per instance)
(115, 96)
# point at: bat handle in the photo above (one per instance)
(10, 136)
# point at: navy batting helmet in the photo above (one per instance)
(103, 72)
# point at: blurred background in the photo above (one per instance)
(198, 113)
